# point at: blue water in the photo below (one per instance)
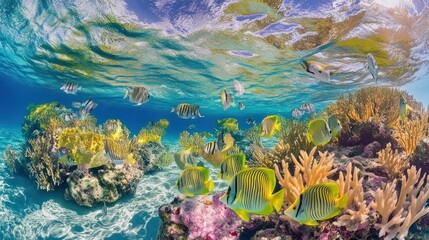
(184, 51)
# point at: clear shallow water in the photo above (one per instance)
(184, 51)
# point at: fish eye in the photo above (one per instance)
(294, 208)
(330, 131)
(320, 71)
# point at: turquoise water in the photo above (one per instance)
(184, 51)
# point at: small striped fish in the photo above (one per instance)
(317, 202)
(87, 108)
(137, 95)
(254, 186)
(232, 165)
(372, 66)
(195, 181)
(210, 148)
(226, 99)
(186, 111)
(70, 88)
(115, 152)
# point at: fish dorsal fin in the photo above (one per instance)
(333, 186)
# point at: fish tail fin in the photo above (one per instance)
(219, 175)
(342, 202)
(127, 92)
(409, 108)
(210, 184)
(243, 215)
(277, 199)
(79, 88)
(173, 109)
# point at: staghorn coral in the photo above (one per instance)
(253, 134)
(113, 129)
(377, 104)
(43, 166)
(357, 212)
(10, 157)
(308, 171)
(268, 158)
(410, 132)
(195, 142)
(398, 213)
(392, 162)
(228, 124)
(293, 133)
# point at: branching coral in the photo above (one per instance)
(308, 171)
(268, 158)
(43, 165)
(253, 134)
(39, 118)
(10, 157)
(293, 133)
(410, 132)
(392, 162)
(357, 212)
(195, 142)
(228, 124)
(398, 213)
(164, 159)
(377, 104)
(153, 132)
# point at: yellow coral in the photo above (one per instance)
(398, 213)
(228, 124)
(392, 162)
(410, 132)
(378, 104)
(85, 146)
(153, 133)
(308, 171)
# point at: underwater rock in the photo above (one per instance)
(147, 154)
(84, 188)
(366, 133)
(107, 185)
(370, 150)
(420, 157)
(205, 217)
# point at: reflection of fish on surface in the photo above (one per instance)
(251, 191)
(195, 181)
(317, 202)
(372, 66)
(317, 70)
(137, 95)
(186, 111)
(238, 88)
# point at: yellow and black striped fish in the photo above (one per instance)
(226, 99)
(317, 202)
(251, 191)
(195, 181)
(232, 165)
(186, 111)
(210, 148)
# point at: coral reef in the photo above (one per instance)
(61, 149)
(228, 124)
(195, 142)
(308, 171)
(410, 132)
(11, 158)
(398, 213)
(392, 162)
